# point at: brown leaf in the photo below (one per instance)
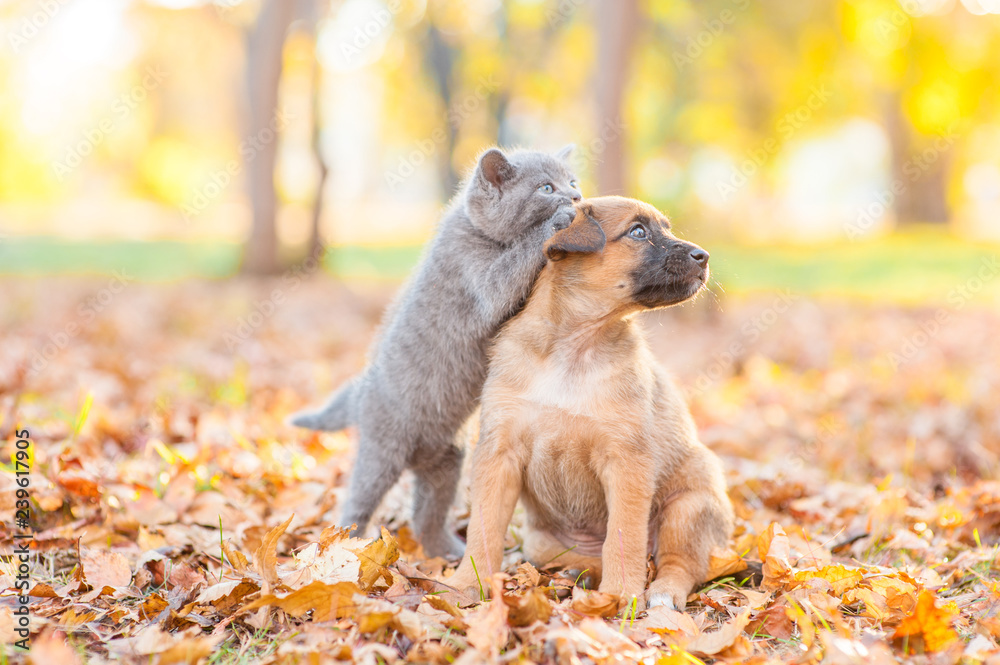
(185, 577)
(152, 606)
(52, 648)
(712, 643)
(488, 631)
(928, 628)
(104, 569)
(439, 603)
(773, 622)
(528, 608)
(594, 603)
(266, 557)
(375, 557)
(326, 601)
(236, 559)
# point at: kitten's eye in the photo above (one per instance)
(574, 184)
(547, 188)
(638, 232)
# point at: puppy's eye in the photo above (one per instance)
(547, 188)
(574, 184)
(638, 232)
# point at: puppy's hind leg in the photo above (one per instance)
(377, 468)
(689, 526)
(437, 471)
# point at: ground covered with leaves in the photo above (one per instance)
(176, 519)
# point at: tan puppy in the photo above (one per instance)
(580, 423)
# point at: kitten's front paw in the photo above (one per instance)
(561, 220)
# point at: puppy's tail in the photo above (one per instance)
(336, 414)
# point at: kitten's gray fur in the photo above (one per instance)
(426, 371)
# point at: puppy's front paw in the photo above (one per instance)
(668, 593)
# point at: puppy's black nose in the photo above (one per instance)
(700, 256)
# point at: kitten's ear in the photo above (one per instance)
(494, 168)
(583, 236)
(564, 153)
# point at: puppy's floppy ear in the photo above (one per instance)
(583, 236)
(564, 153)
(494, 168)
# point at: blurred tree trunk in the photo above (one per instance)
(313, 10)
(617, 21)
(924, 177)
(265, 43)
(440, 62)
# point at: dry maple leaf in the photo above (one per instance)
(375, 558)
(712, 643)
(841, 578)
(104, 569)
(326, 601)
(723, 562)
(594, 603)
(928, 628)
(527, 608)
(775, 549)
(266, 557)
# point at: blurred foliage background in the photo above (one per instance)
(849, 145)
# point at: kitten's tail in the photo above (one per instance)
(335, 415)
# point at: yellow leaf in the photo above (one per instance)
(375, 557)
(841, 578)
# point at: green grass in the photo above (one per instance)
(920, 265)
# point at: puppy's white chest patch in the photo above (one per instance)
(578, 390)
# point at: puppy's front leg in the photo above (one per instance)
(623, 558)
(497, 475)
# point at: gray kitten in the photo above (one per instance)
(426, 370)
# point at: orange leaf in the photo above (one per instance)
(723, 562)
(595, 603)
(774, 549)
(326, 601)
(266, 556)
(928, 627)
